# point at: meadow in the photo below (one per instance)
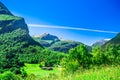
(96, 73)
(38, 72)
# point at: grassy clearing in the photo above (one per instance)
(37, 71)
(103, 73)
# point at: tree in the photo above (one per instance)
(77, 57)
(80, 53)
(110, 53)
(98, 56)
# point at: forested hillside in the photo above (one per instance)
(17, 47)
(115, 40)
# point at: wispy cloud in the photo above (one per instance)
(65, 27)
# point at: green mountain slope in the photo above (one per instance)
(54, 43)
(18, 47)
(14, 38)
(115, 40)
(64, 46)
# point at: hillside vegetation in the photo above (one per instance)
(54, 43)
(115, 40)
(8, 17)
(17, 47)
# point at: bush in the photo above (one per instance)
(31, 77)
(8, 76)
(1, 70)
(24, 73)
(72, 66)
(15, 70)
(78, 57)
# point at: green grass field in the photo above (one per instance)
(103, 73)
(37, 71)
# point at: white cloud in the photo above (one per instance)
(65, 27)
(107, 39)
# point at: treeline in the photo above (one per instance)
(34, 54)
(79, 57)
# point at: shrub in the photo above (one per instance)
(8, 76)
(15, 70)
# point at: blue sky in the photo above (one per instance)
(103, 15)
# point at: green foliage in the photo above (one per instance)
(80, 53)
(112, 53)
(72, 66)
(37, 55)
(8, 17)
(13, 44)
(54, 43)
(64, 46)
(98, 56)
(23, 73)
(9, 76)
(115, 40)
(17, 47)
(10, 46)
(109, 55)
(96, 73)
(78, 57)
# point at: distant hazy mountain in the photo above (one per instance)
(100, 42)
(115, 40)
(54, 43)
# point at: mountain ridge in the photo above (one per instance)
(10, 23)
(14, 41)
(115, 40)
(4, 10)
(55, 43)
(100, 42)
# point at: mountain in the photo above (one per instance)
(47, 36)
(4, 10)
(13, 25)
(64, 46)
(56, 44)
(100, 42)
(14, 40)
(115, 40)
(46, 39)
